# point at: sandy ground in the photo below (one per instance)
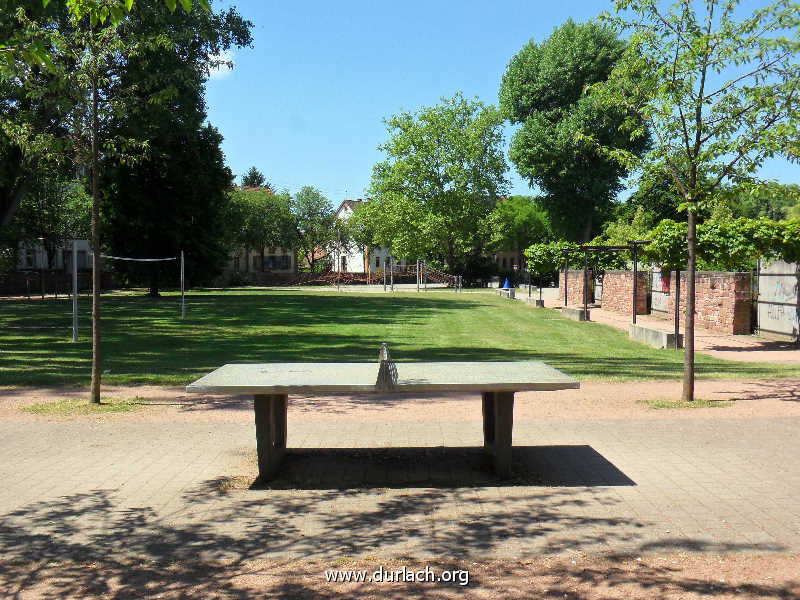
(595, 400)
(577, 576)
(567, 576)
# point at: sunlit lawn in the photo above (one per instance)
(145, 340)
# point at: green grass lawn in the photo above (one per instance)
(145, 341)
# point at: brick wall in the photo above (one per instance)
(722, 301)
(618, 292)
(575, 287)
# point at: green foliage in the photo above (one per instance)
(732, 245)
(314, 218)
(174, 196)
(718, 91)
(259, 219)
(444, 172)
(254, 178)
(517, 222)
(546, 258)
(768, 199)
(543, 89)
(52, 212)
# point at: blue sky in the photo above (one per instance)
(305, 104)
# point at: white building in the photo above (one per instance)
(356, 261)
(34, 256)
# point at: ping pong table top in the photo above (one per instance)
(332, 378)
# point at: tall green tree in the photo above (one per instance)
(254, 178)
(261, 219)
(543, 91)
(443, 174)
(314, 217)
(52, 212)
(78, 72)
(517, 222)
(718, 90)
(172, 198)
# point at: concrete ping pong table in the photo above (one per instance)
(271, 383)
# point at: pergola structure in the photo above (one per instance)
(633, 245)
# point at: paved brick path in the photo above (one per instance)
(747, 348)
(89, 490)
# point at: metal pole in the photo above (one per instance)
(183, 302)
(425, 275)
(418, 276)
(566, 277)
(74, 291)
(635, 278)
(391, 273)
(384, 274)
(677, 307)
(529, 283)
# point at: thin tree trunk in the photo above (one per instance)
(587, 228)
(96, 356)
(688, 336)
(154, 275)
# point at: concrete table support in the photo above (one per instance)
(270, 411)
(271, 383)
(498, 425)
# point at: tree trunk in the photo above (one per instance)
(587, 228)
(688, 336)
(262, 259)
(154, 283)
(96, 357)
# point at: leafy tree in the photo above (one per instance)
(543, 90)
(517, 222)
(52, 212)
(254, 178)
(314, 217)
(657, 196)
(620, 233)
(173, 197)
(718, 93)
(444, 172)
(769, 199)
(362, 229)
(85, 51)
(29, 43)
(261, 219)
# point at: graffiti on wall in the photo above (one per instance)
(779, 299)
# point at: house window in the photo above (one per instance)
(377, 261)
(505, 262)
(30, 259)
(82, 262)
(236, 264)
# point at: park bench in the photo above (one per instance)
(507, 292)
(271, 384)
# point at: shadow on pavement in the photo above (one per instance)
(88, 545)
(425, 467)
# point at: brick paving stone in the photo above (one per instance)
(84, 490)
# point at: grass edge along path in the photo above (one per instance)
(146, 342)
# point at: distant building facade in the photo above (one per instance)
(355, 260)
(33, 257)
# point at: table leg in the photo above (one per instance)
(488, 421)
(503, 426)
(270, 413)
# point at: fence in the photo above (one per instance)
(778, 300)
(48, 283)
